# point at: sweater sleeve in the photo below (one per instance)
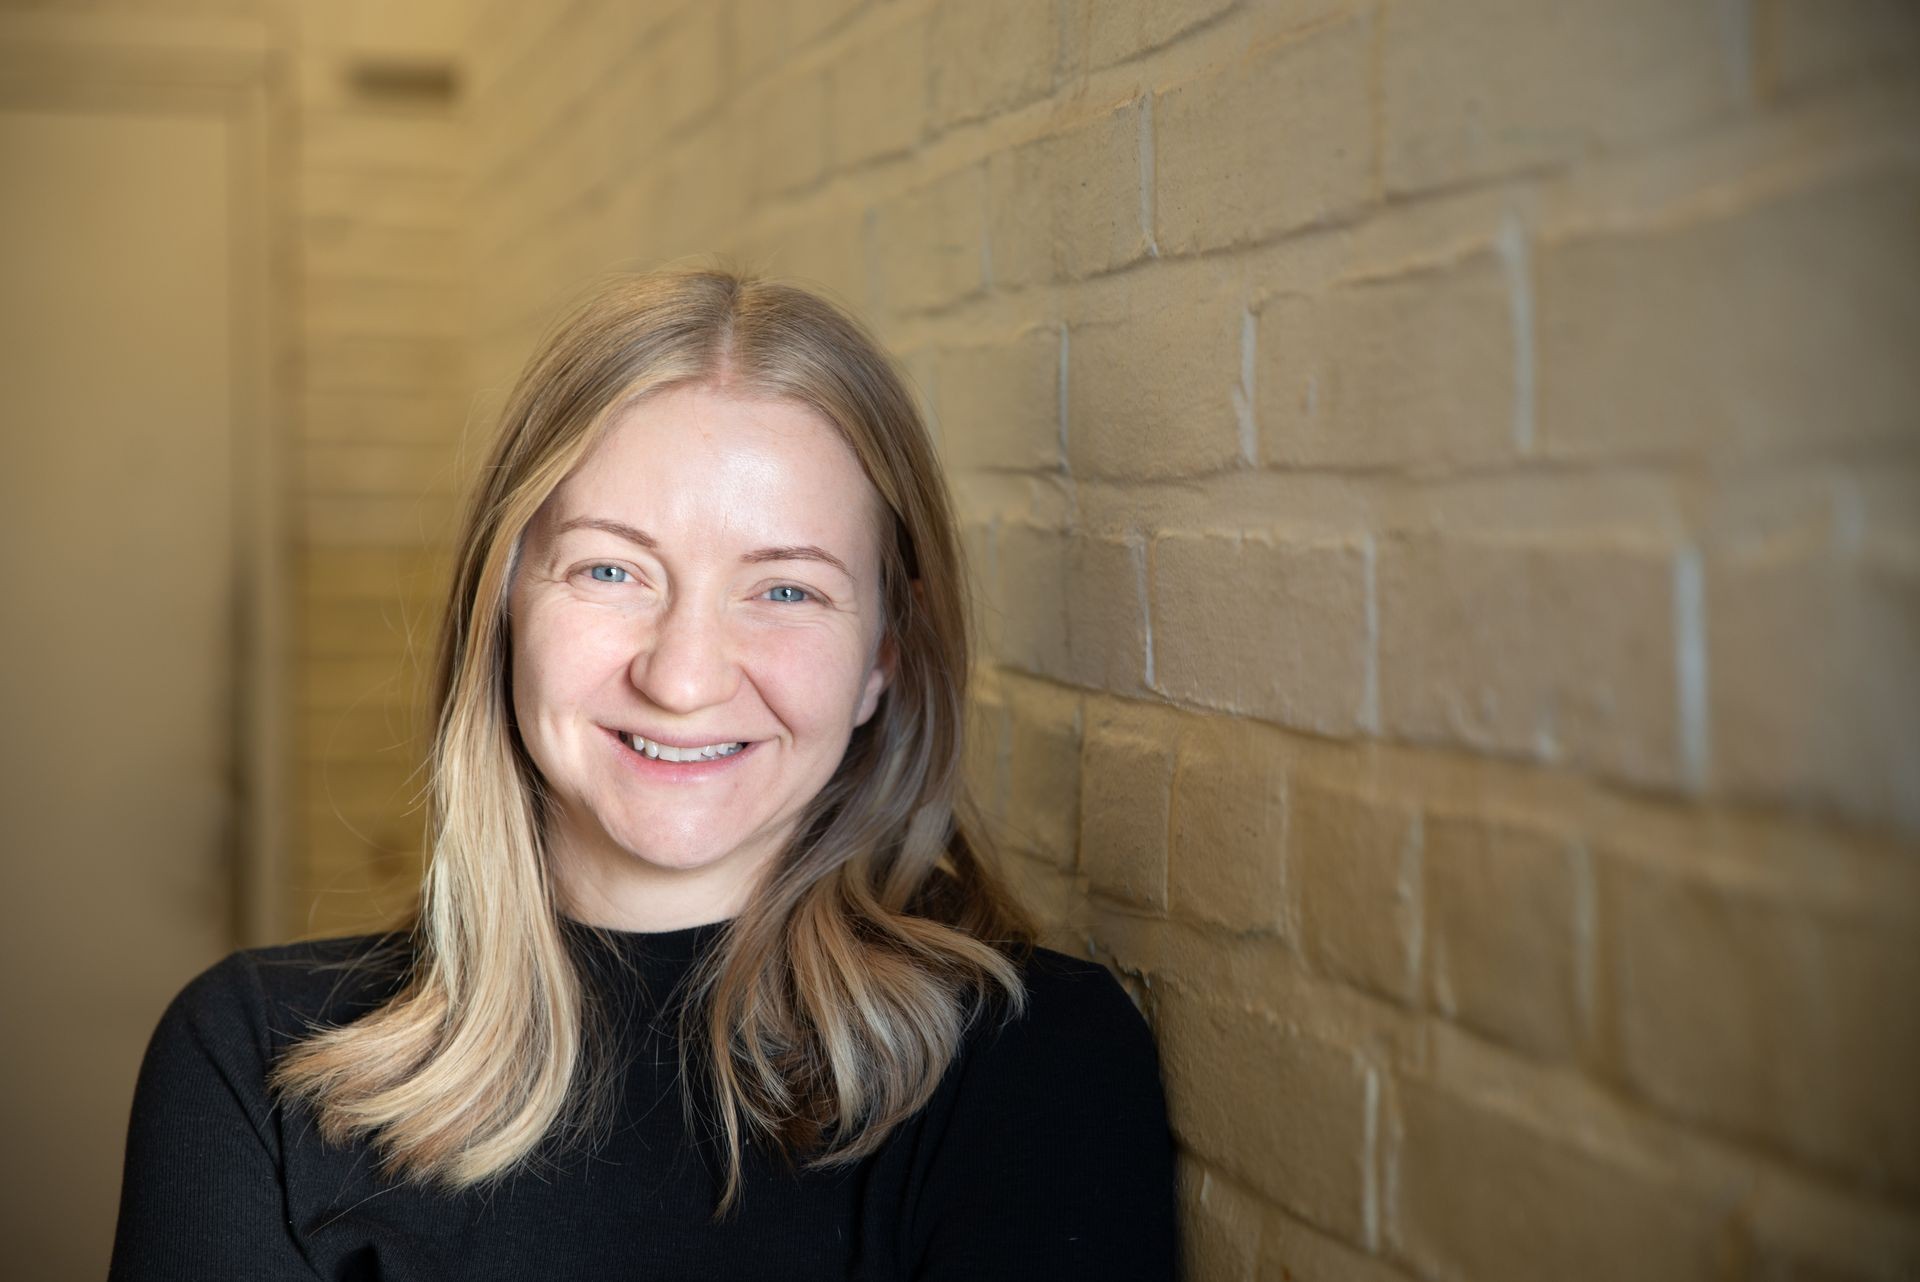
(1056, 1161)
(202, 1196)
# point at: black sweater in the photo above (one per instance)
(1044, 1153)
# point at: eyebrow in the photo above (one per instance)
(631, 533)
(634, 534)
(797, 552)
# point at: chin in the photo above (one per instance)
(665, 851)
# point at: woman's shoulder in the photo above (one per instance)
(1050, 1144)
(1077, 1023)
(263, 997)
(1062, 987)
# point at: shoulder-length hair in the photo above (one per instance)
(839, 994)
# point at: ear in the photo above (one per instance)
(877, 680)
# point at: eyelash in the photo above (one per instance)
(806, 594)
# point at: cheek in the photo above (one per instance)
(559, 661)
(810, 681)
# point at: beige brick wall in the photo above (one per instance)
(1442, 482)
(377, 278)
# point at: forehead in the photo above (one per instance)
(694, 465)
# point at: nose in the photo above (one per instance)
(686, 661)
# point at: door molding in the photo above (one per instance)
(231, 68)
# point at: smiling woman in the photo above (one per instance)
(711, 975)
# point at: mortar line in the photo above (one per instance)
(1514, 259)
(1243, 409)
(1690, 665)
(1146, 174)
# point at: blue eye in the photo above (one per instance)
(601, 574)
(797, 594)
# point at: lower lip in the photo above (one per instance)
(678, 771)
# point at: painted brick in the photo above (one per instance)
(1883, 506)
(931, 241)
(1020, 219)
(1757, 1012)
(1106, 614)
(1495, 86)
(1407, 370)
(1120, 29)
(1294, 1252)
(1068, 205)
(703, 187)
(1126, 776)
(989, 56)
(1805, 43)
(1486, 1196)
(403, 470)
(1813, 690)
(986, 753)
(690, 62)
(1175, 415)
(352, 628)
(1099, 221)
(1031, 601)
(352, 249)
(757, 36)
(407, 308)
(369, 785)
(423, 201)
(1691, 323)
(384, 364)
(359, 733)
(353, 885)
(1564, 651)
(878, 97)
(1220, 1226)
(1354, 863)
(826, 249)
(1229, 829)
(984, 616)
(388, 682)
(361, 143)
(999, 403)
(406, 520)
(1508, 939)
(416, 575)
(633, 111)
(808, 20)
(1263, 628)
(789, 134)
(1802, 1236)
(1781, 326)
(382, 417)
(1284, 1112)
(1053, 900)
(1043, 774)
(1300, 150)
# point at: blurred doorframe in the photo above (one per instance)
(231, 68)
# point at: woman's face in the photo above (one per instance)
(697, 629)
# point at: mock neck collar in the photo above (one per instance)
(685, 945)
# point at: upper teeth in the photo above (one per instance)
(667, 752)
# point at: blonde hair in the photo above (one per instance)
(839, 995)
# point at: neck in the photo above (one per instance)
(601, 884)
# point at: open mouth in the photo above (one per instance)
(668, 752)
